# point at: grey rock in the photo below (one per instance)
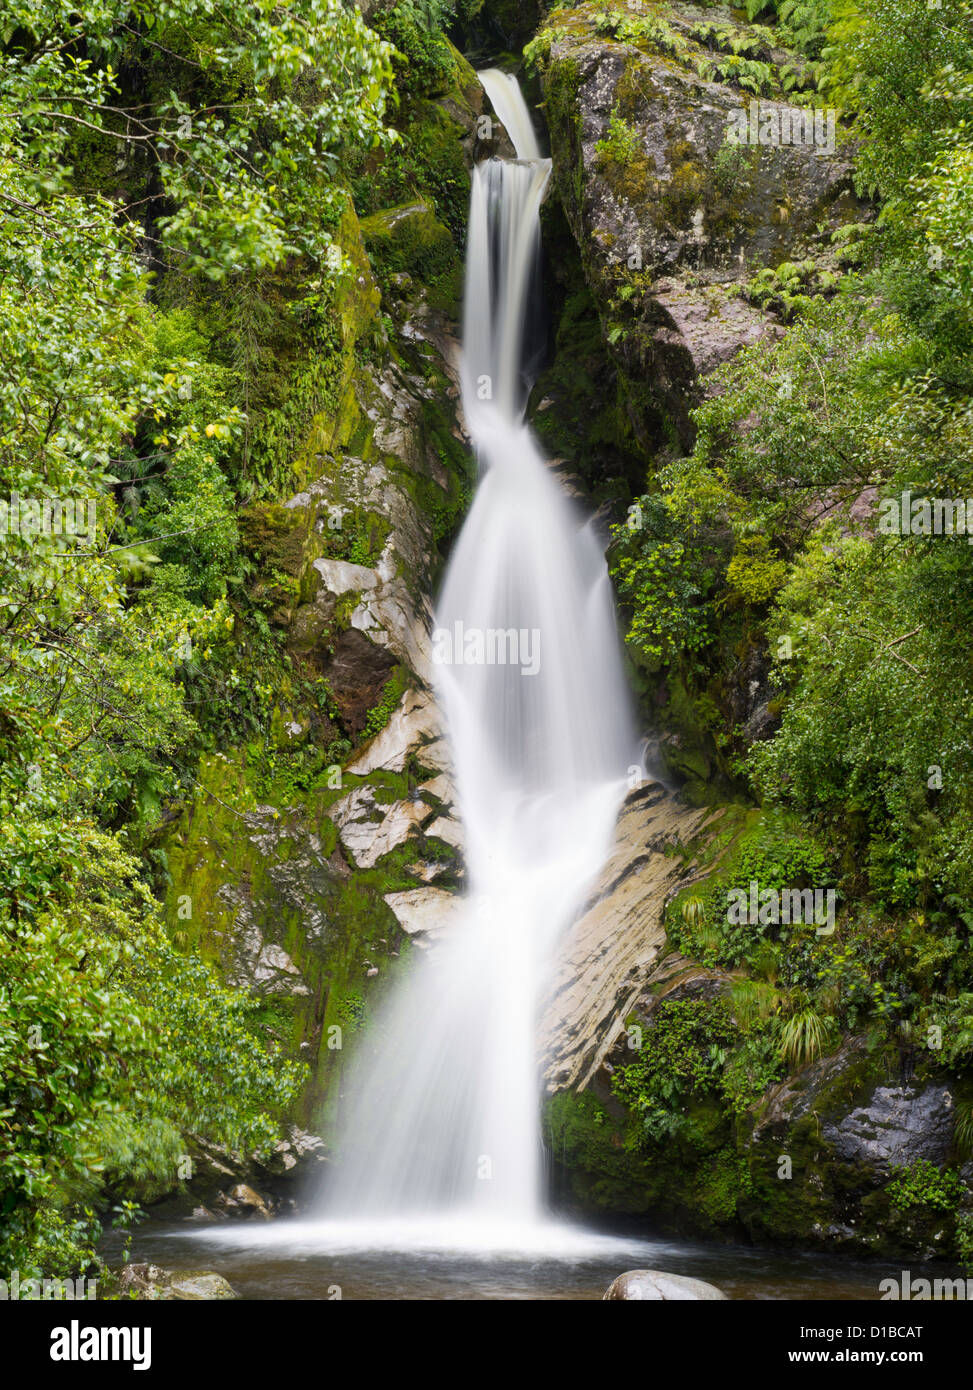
(199, 1286)
(150, 1282)
(898, 1126)
(698, 231)
(658, 1286)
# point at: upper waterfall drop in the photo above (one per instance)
(508, 102)
(444, 1123)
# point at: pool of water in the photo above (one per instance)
(297, 1260)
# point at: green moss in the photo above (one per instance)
(428, 161)
(922, 1184)
(392, 692)
(589, 1145)
(332, 928)
(410, 239)
(721, 1184)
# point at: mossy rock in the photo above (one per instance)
(668, 216)
(409, 239)
(598, 1168)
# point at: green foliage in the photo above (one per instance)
(902, 66)
(246, 116)
(415, 29)
(684, 1050)
(647, 31)
(379, 716)
(801, 24)
(751, 1068)
(660, 568)
(112, 1044)
(620, 145)
(964, 1238)
(923, 1184)
(210, 146)
(721, 1183)
(775, 855)
(787, 288)
(963, 1129)
(955, 1018)
(755, 572)
(804, 1037)
(749, 73)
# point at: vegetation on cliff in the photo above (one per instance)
(184, 297)
(206, 223)
(797, 617)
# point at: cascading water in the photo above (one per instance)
(439, 1145)
(445, 1121)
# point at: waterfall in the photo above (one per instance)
(443, 1114)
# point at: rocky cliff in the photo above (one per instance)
(695, 189)
(313, 867)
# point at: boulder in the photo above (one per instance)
(151, 1282)
(198, 1286)
(250, 1201)
(660, 1287)
(847, 1124)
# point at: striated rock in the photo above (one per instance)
(668, 1288)
(425, 913)
(415, 726)
(370, 829)
(610, 950)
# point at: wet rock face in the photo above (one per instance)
(654, 1285)
(750, 694)
(660, 203)
(852, 1127)
(299, 867)
(899, 1125)
(611, 950)
(357, 674)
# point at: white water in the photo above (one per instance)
(445, 1121)
(441, 1144)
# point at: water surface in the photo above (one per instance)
(312, 1261)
